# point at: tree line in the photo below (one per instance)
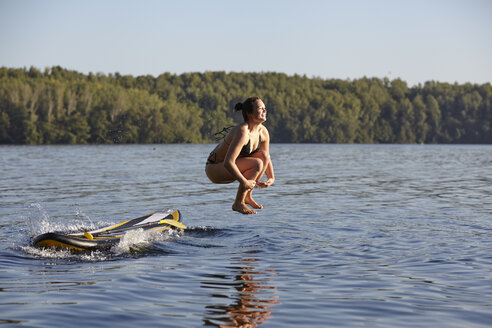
(60, 106)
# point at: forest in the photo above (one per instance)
(60, 106)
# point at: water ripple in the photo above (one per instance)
(351, 236)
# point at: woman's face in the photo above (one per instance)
(259, 112)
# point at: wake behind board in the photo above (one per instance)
(109, 236)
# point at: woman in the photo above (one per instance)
(244, 155)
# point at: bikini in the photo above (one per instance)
(245, 151)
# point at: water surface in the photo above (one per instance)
(350, 236)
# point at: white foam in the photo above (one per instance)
(142, 238)
(54, 253)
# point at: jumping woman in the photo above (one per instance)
(244, 155)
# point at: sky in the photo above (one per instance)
(414, 40)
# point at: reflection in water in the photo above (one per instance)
(243, 298)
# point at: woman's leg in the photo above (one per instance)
(252, 168)
(265, 161)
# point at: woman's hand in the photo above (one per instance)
(265, 184)
(249, 184)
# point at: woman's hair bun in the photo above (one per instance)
(238, 107)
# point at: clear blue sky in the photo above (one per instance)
(415, 40)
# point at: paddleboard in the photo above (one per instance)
(109, 236)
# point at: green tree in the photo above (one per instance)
(63, 106)
(421, 126)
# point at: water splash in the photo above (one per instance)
(134, 241)
(65, 254)
(81, 215)
(131, 240)
(39, 221)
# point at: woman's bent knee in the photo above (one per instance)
(258, 164)
(251, 166)
(263, 156)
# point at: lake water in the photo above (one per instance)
(350, 236)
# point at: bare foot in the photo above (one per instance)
(250, 201)
(242, 208)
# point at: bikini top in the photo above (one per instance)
(245, 151)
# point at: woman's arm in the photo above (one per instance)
(269, 170)
(239, 138)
